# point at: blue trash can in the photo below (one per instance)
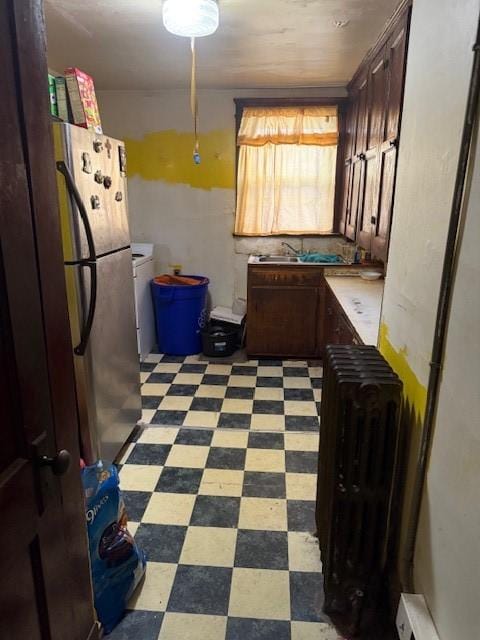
(180, 316)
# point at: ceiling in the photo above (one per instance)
(259, 44)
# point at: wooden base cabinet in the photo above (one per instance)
(337, 327)
(285, 311)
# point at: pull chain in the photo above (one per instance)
(194, 104)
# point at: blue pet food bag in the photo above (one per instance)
(117, 563)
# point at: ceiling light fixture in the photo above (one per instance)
(191, 18)
(339, 24)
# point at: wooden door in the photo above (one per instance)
(45, 592)
(283, 321)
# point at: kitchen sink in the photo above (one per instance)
(277, 259)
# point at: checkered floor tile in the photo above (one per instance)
(225, 511)
(267, 395)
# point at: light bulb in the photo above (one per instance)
(190, 18)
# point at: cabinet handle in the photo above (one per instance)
(393, 143)
(361, 156)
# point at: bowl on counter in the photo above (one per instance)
(370, 274)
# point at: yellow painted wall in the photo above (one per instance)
(167, 156)
(414, 392)
(188, 211)
(413, 412)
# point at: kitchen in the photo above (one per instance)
(308, 173)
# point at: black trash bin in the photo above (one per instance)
(220, 339)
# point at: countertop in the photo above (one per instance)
(362, 302)
(253, 259)
(329, 268)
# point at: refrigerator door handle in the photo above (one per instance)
(75, 195)
(80, 349)
(90, 262)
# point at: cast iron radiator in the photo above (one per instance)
(359, 436)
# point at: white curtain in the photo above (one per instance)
(286, 171)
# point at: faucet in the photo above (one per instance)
(289, 246)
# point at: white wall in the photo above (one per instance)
(448, 548)
(447, 564)
(190, 225)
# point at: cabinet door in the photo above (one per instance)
(377, 97)
(368, 206)
(349, 153)
(377, 100)
(346, 195)
(361, 123)
(337, 328)
(396, 53)
(329, 318)
(344, 332)
(357, 170)
(351, 129)
(395, 61)
(380, 236)
(356, 197)
(282, 321)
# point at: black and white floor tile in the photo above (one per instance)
(223, 503)
(271, 395)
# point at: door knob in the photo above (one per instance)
(59, 463)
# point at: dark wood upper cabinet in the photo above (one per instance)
(346, 172)
(375, 127)
(361, 98)
(380, 231)
(355, 196)
(359, 136)
(346, 177)
(395, 57)
(377, 100)
(351, 129)
(372, 139)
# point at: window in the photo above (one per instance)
(286, 170)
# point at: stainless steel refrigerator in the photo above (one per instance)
(98, 266)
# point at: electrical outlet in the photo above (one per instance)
(176, 268)
(413, 619)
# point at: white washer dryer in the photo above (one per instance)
(143, 273)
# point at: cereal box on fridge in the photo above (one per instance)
(83, 102)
